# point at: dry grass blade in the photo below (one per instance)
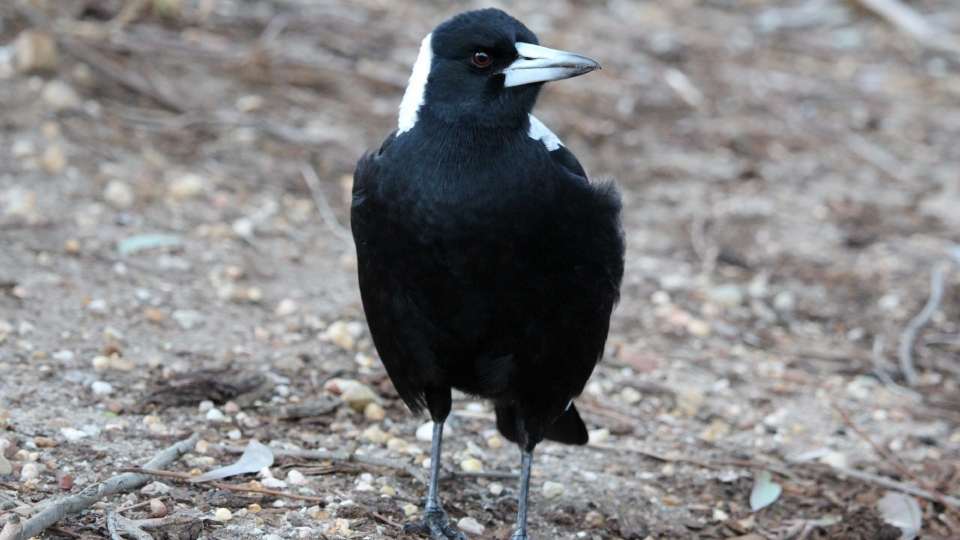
(910, 332)
(73, 504)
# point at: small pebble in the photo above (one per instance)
(340, 335)
(153, 315)
(254, 508)
(727, 295)
(101, 388)
(425, 432)
(375, 435)
(471, 465)
(63, 355)
(112, 335)
(387, 490)
(29, 472)
(72, 434)
(203, 446)
(552, 490)
(100, 362)
(60, 96)
(155, 488)
(188, 318)
(187, 186)
(296, 478)
(65, 482)
(234, 434)
(214, 415)
(495, 489)
(44, 442)
(410, 509)
(35, 50)
(157, 508)
(205, 406)
(397, 444)
(287, 306)
(374, 412)
(119, 194)
(495, 442)
(223, 514)
(231, 408)
(273, 483)
(599, 436)
(250, 103)
(5, 466)
(53, 160)
(470, 525)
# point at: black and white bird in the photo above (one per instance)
(487, 261)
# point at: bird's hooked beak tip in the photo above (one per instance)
(539, 64)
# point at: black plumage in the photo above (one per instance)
(487, 261)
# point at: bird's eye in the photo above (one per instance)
(482, 59)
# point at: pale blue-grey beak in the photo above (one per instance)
(540, 64)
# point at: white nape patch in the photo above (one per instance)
(542, 133)
(414, 95)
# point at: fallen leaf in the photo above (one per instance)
(255, 457)
(903, 512)
(765, 492)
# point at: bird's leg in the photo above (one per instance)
(435, 521)
(526, 462)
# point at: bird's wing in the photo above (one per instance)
(565, 158)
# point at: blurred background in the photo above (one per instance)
(174, 197)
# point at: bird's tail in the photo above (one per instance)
(567, 429)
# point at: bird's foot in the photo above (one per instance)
(434, 525)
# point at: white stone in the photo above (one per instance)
(552, 490)
(101, 388)
(119, 194)
(470, 525)
(60, 96)
(215, 415)
(425, 432)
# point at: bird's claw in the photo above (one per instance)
(435, 526)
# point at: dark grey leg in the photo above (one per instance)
(435, 522)
(526, 462)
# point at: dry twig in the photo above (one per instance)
(326, 212)
(910, 22)
(407, 467)
(112, 525)
(73, 504)
(228, 487)
(904, 470)
(910, 332)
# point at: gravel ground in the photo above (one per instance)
(791, 176)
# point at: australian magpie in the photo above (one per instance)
(487, 261)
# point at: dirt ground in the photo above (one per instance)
(791, 178)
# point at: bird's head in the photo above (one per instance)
(483, 69)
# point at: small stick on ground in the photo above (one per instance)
(880, 366)
(320, 455)
(910, 22)
(73, 504)
(904, 470)
(12, 527)
(326, 212)
(112, 525)
(228, 487)
(910, 332)
(889, 483)
(115, 521)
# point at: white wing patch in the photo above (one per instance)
(542, 133)
(414, 95)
